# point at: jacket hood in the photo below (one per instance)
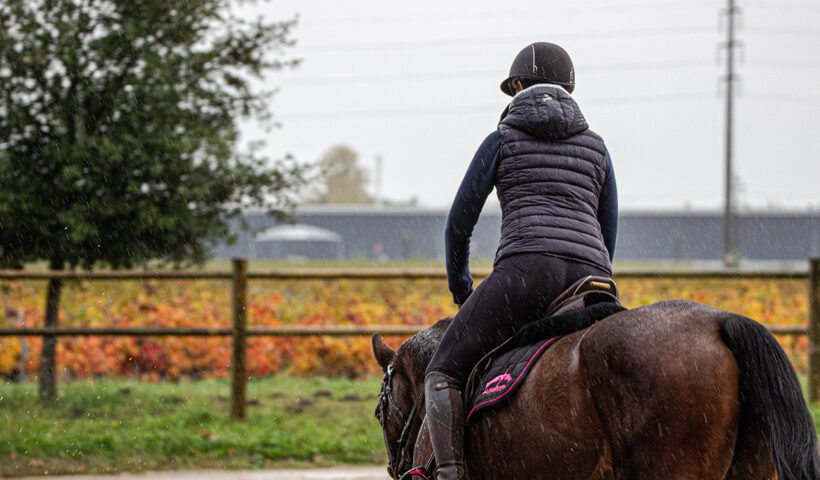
(545, 111)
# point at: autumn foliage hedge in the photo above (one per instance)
(274, 303)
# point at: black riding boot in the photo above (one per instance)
(445, 419)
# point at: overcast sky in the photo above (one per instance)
(418, 84)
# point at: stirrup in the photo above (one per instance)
(416, 473)
(421, 473)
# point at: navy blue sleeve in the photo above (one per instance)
(608, 208)
(473, 192)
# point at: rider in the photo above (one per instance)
(559, 206)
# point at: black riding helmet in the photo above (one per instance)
(541, 62)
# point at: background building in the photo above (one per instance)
(407, 233)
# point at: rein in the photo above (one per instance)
(385, 400)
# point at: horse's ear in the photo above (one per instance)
(381, 351)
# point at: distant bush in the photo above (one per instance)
(275, 303)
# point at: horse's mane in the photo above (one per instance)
(421, 346)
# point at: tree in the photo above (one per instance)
(342, 179)
(118, 133)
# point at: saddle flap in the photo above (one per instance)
(502, 377)
(583, 293)
(496, 376)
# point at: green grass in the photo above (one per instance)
(120, 425)
(128, 426)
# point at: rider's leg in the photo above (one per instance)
(445, 420)
(518, 291)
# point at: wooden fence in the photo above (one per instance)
(240, 331)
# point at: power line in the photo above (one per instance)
(392, 112)
(788, 31)
(782, 5)
(616, 7)
(487, 73)
(463, 75)
(491, 107)
(779, 64)
(782, 97)
(467, 75)
(483, 42)
(643, 99)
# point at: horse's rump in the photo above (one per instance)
(663, 391)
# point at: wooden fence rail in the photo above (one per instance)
(290, 331)
(378, 274)
(240, 331)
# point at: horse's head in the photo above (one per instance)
(401, 407)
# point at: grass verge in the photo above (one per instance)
(109, 426)
(119, 425)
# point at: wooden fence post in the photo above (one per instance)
(21, 319)
(814, 329)
(47, 375)
(240, 340)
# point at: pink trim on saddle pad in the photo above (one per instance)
(527, 367)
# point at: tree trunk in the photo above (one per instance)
(48, 356)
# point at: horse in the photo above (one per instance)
(672, 390)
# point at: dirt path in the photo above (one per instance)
(344, 473)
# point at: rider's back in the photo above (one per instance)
(551, 170)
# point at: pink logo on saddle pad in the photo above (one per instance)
(498, 384)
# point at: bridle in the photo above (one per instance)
(386, 403)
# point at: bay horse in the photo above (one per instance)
(673, 390)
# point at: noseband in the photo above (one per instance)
(386, 403)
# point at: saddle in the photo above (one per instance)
(583, 293)
(497, 376)
(584, 303)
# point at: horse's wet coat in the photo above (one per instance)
(647, 393)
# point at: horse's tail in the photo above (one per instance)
(770, 396)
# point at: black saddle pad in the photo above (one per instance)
(497, 377)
